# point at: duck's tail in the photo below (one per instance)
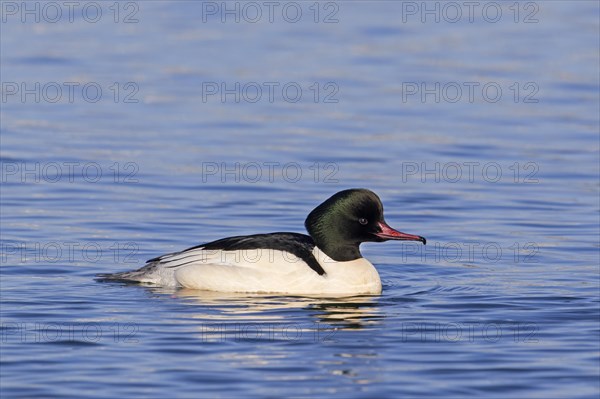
(144, 274)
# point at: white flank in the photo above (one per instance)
(263, 271)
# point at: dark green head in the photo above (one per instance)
(344, 221)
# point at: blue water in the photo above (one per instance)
(503, 181)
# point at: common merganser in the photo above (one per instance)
(327, 261)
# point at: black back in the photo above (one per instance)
(299, 245)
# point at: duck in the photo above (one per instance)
(326, 261)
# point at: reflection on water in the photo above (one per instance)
(247, 311)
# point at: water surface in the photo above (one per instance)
(502, 302)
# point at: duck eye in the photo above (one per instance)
(363, 221)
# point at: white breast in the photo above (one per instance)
(272, 271)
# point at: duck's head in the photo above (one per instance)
(345, 220)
